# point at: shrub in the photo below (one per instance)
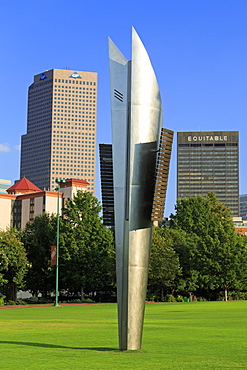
(44, 300)
(89, 300)
(152, 297)
(201, 299)
(21, 303)
(2, 297)
(237, 295)
(244, 295)
(170, 298)
(179, 298)
(10, 303)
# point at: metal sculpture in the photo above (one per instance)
(136, 128)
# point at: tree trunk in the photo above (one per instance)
(11, 292)
(225, 294)
(82, 295)
(162, 294)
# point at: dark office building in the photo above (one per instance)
(209, 161)
(243, 206)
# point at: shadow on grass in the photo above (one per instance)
(45, 345)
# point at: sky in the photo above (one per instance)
(198, 49)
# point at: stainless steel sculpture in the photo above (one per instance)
(136, 127)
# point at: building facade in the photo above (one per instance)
(24, 201)
(209, 161)
(243, 206)
(61, 128)
(240, 225)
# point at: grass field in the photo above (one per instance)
(206, 335)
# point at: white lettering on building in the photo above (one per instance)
(207, 138)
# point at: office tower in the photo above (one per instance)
(61, 128)
(243, 206)
(209, 161)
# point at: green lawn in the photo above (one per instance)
(206, 335)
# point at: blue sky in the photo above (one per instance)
(198, 49)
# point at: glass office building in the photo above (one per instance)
(61, 128)
(209, 161)
(243, 206)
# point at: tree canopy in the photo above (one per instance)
(216, 255)
(201, 253)
(38, 237)
(164, 265)
(87, 252)
(13, 263)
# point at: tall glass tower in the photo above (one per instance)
(61, 128)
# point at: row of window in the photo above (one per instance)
(41, 97)
(200, 174)
(83, 92)
(207, 145)
(212, 163)
(72, 115)
(63, 163)
(70, 169)
(210, 150)
(41, 105)
(56, 145)
(78, 108)
(43, 83)
(77, 134)
(207, 166)
(74, 87)
(75, 82)
(78, 128)
(75, 121)
(192, 156)
(74, 96)
(208, 178)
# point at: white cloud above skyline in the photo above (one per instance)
(4, 147)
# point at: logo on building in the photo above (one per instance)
(43, 76)
(207, 138)
(75, 75)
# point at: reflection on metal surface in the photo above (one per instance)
(106, 174)
(136, 127)
(162, 171)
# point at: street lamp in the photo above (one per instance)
(58, 181)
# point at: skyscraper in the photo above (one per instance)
(209, 161)
(243, 206)
(61, 128)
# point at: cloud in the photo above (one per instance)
(4, 147)
(18, 147)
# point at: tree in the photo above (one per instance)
(192, 215)
(38, 237)
(217, 255)
(221, 262)
(184, 247)
(13, 263)
(164, 265)
(86, 246)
